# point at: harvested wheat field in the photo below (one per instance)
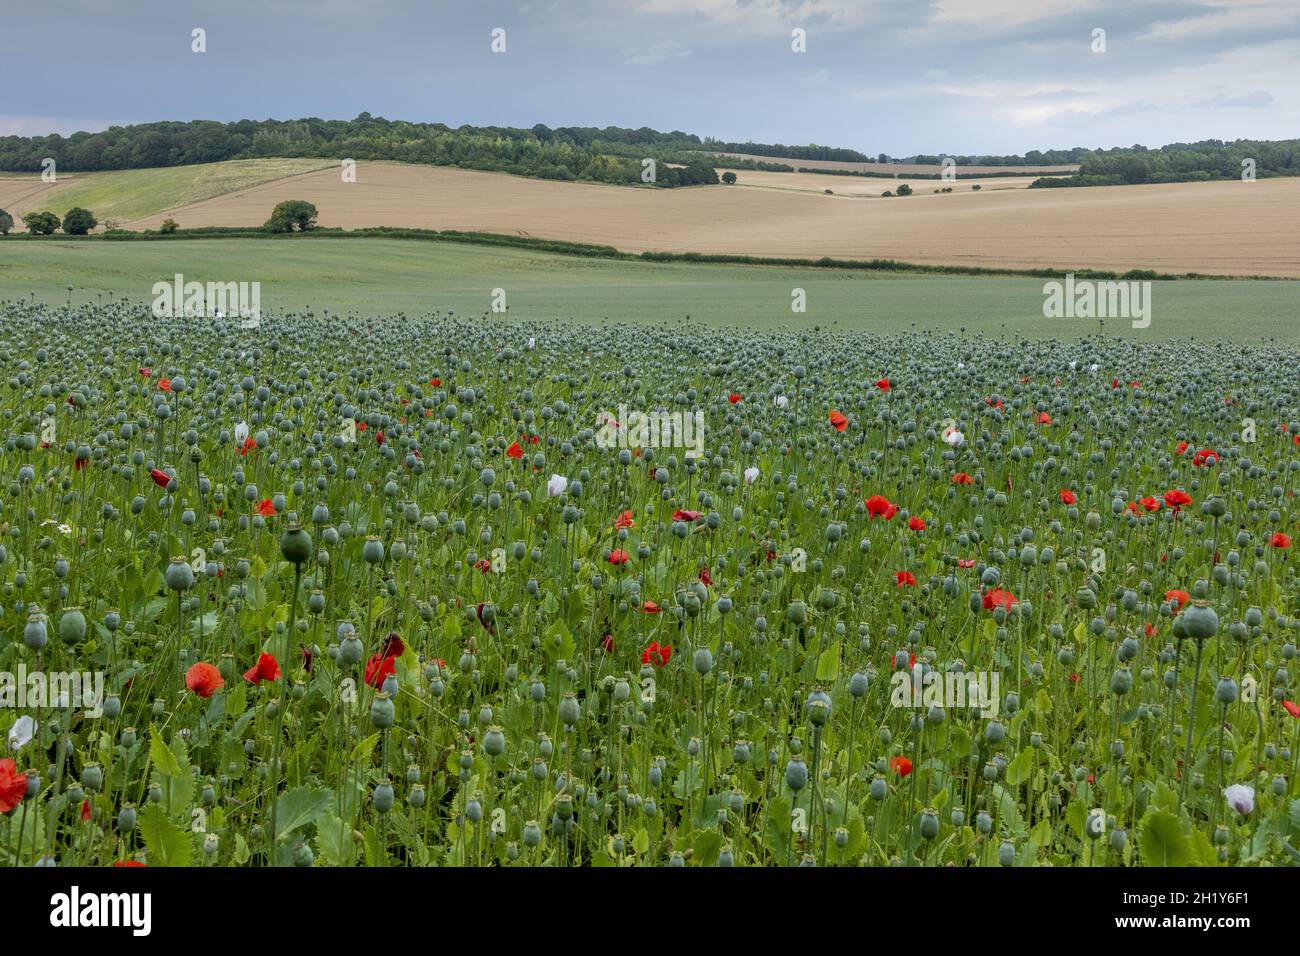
(898, 169)
(865, 188)
(1228, 228)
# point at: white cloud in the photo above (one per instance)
(17, 125)
(658, 53)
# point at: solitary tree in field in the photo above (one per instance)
(729, 178)
(78, 221)
(290, 213)
(904, 190)
(168, 226)
(41, 223)
(6, 223)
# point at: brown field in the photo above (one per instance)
(1228, 228)
(867, 188)
(896, 169)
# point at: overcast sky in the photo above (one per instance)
(929, 76)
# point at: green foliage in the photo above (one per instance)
(41, 223)
(79, 222)
(291, 214)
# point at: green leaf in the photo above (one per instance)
(557, 642)
(641, 842)
(706, 847)
(334, 840)
(828, 664)
(160, 756)
(299, 807)
(1162, 841)
(1018, 770)
(168, 844)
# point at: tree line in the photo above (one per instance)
(1184, 162)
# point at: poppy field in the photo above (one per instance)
(433, 590)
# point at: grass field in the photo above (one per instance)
(128, 194)
(378, 276)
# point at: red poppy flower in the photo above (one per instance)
(905, 578)
(681, 514)
(624, 521)
(991, 402)
(266, 508)
(79, 463)
(916, 524)
(1150, 503)
(965, 562)
(13, 785)
(1044, 418)
(85, 810)
(1181, 449)
(483, 565)
(146, 372)
(961, 478)
(362, 426)
(734, 397)
(654, 654)
(1176, 498)
(878, 506)
(379, 437)
(160, 477)
(435, 382)
(650, 607)
(1150, 629)
(514, 451)
(1074, 678)
(883, 385)
(129, 863)
(1280, 540)
(164, 385)
(1206, 456)
(901, 765)
(999, 598)
(1290, 706)
(532, 439)
(1180, 597)
(705, 578)
(619, 556)
(1068, 497)
(607, 642)
(204, 679)
(838, 421)
(249, 444)
(393, 646)
(267, 668)
(378, 669)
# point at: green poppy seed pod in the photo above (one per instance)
(295, 545)
(1118, 840)
(1226, 692)
(859, 683)
(1007, 853)
(995, 731)
(797, 612)
(126, 818)
(382, 711)
(1086, 598)
(373, 550)
(569, 709)
(211, 843)
(741, 752)
(957, 818)
(1200, 621)
(383, 797)
(1278, 785)
(1254, 617)
(819, 707)
(984, 823)
(179, 576)
(92, 777)
(929, 823)
(72, 626)
(1121, 681)
(1221, 835)
(1216, 507)
(1036, 740)
(796, 774)
(703, 660)
(494, 742)
(879, 789)
(36, 633)
(350, 650)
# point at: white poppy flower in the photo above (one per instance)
(1240, 798)
(555, 487)
(782, 401)
(22, 732)
(241, 433)
(751, 475)
(532, 343)
(953, 437)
